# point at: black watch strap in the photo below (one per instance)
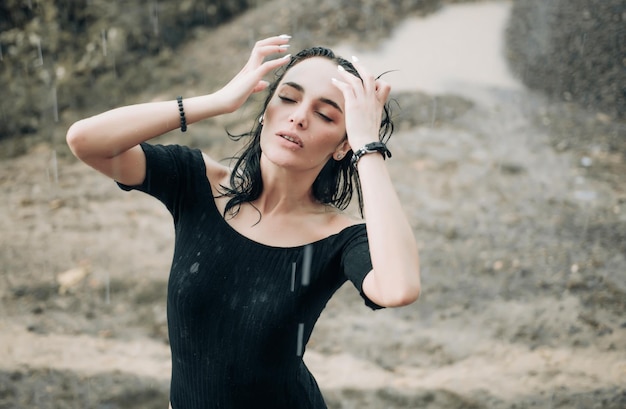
(371, 148)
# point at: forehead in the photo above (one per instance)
(314, 75)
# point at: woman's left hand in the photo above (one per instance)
(395, 279)
(364, 102)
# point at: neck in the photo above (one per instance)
(285, 190)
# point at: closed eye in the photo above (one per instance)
(324, 117)
(287, 100)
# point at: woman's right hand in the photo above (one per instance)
(109, 142)
(250, 79)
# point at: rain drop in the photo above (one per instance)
(154, 14)
(306, 264)
(300, 346)
(434, 114)
(582, 44)
(194, 267)
(103, 35)
(107, 288)
(39, 61)
(55, 104)
(53, 171)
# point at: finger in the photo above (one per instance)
(383, 89)
(346, 89)
(270, 65)
(350, 80)
(264, 48)
(260, 86)
(368, 79)
(281, 39)
(272, 45)
(273, 49)
(361, 84)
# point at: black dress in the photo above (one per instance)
(240, 312)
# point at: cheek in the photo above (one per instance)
(332, 138)
(272, 109)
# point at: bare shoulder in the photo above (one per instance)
(340, 220)
(217, 173)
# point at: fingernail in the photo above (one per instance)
(286, 36)
(354, 59)
(284, 46)
(286, 57)
(340, 68)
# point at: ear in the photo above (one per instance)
(341, 150)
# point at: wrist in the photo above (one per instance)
(220, 103)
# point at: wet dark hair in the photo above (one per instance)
(336, 181)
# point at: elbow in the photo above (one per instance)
(77, 140)
(406, 297)
(412, 295)
(401, 295)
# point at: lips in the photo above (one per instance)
(291, 137)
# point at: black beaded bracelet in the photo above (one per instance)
(181, 111)
(379, 147)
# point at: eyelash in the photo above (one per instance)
(291, 101)
(324, 117)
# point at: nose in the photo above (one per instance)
(299, 117)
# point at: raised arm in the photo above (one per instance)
(395, 277)
(109, 142)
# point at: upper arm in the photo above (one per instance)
(128, 168)
(372, 292)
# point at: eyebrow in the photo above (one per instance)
(330, 102)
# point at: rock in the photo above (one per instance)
(572, 50)
(71, 278)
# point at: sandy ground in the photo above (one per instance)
(519, 206)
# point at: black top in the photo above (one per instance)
(240, 312)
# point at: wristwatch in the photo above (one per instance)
(371, 148)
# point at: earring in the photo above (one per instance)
(339, 156)
(261, 119)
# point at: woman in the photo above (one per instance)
(260, 248)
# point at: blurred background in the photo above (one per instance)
(509, 155)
